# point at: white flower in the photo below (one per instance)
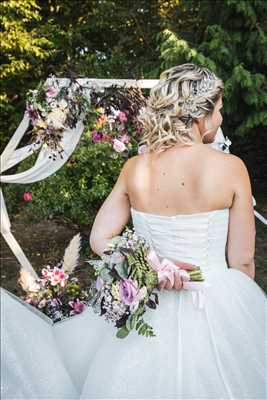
(114, 111)
(63, 104)
(56, 118)
(53, 104)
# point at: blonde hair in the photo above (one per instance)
(184, 93)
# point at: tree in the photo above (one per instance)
(23, 50)
(231, 42)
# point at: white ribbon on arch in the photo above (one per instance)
(43, 167)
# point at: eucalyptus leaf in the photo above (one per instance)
(104, 274)
(122, 269)
(122, 332)
(97, 264)
(128, 324)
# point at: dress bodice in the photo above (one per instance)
(198, 238)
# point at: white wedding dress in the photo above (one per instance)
(208, 345)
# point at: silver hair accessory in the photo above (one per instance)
(190, 104)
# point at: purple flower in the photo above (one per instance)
(99, 283)
(77, 305)
(124, 138)
(128, 291)
(97, 136)
(130, 294)
(142, 149)
(55, 302)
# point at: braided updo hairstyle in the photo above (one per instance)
(184, 93)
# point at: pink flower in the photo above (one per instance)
(142, 149)
(51, 92)
(122, 117)
(77, 305)
(47, 273)
(97, 136)
(119, 146)
(125, 138)
(55, 276)
(58, 277)
(27, 196)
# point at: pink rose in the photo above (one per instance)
(119, 146)
(27, 196)
(51, 92)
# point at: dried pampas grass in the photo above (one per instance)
(71, 256)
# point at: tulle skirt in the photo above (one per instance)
(213, 351)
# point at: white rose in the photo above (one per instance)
(56, 119)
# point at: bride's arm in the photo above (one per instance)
(242, 230)
(114, 213)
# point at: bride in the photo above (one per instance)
(193, 204)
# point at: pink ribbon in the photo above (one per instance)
(167, 268)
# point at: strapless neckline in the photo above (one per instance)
(180, 215)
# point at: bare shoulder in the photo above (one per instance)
(235, 163)
(231, 168)
(128, 166)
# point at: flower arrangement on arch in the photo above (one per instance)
(52, 109)
(127, 275)
(57, 293)
(116, 121)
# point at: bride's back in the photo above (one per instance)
(181, 180)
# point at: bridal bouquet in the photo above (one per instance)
(127, 276)
(57, 293)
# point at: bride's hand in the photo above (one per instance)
(178, 283)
